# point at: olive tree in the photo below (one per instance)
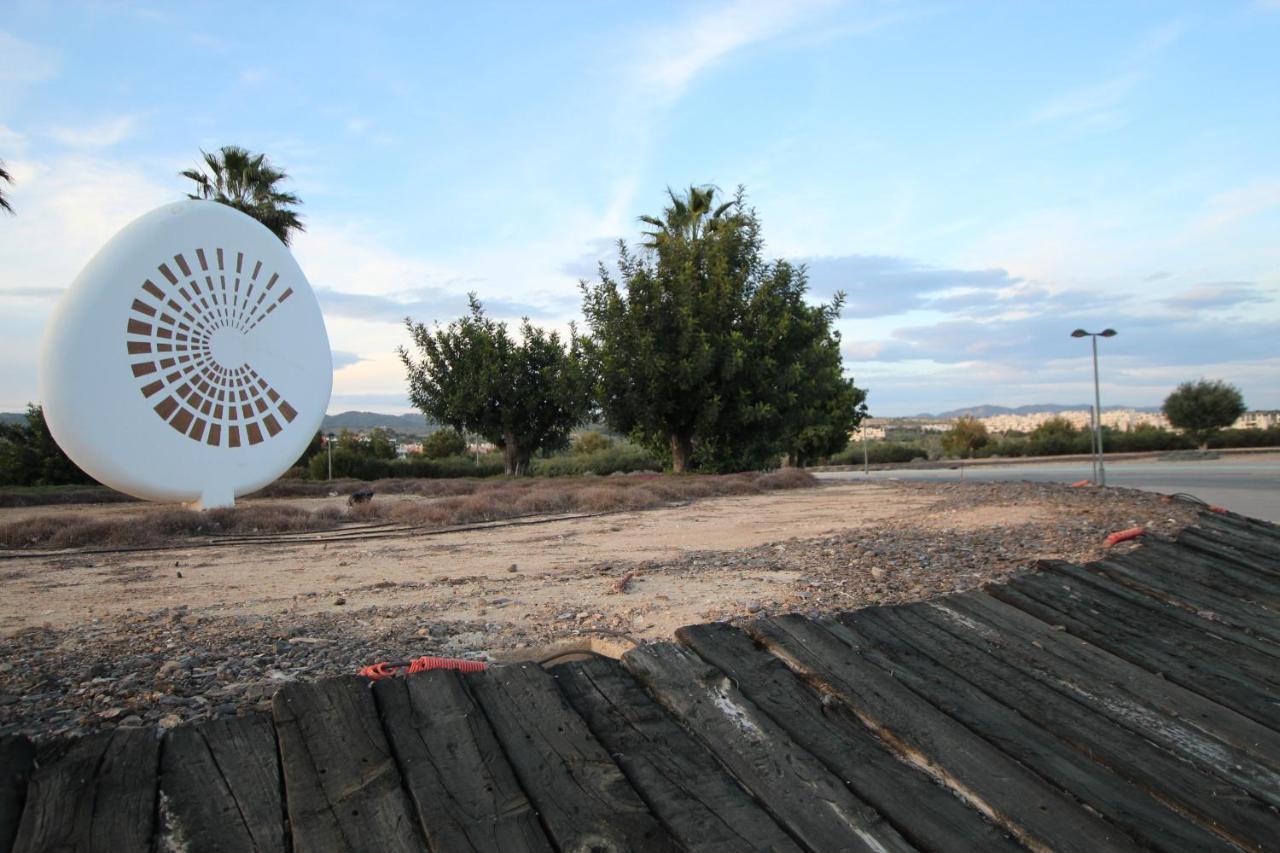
(522, 395)
(1202, 408)
(966, 435)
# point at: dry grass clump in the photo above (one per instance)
(160, 526)
(785, 478)
(449, 503)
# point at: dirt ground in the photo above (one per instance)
(536, 563)
(156, 637)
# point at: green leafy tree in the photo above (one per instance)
(380, 444)
(591, 442)
(444, 443)
(30, 457)
(8, 179)
(966, 435)
(1055, 437)
(522, 396)
(803, 404)
(708, 352)
(248, 182)
(1202, 408)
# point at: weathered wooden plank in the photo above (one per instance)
(1208, 735)
(1258, 559)
(1036, 813)
(220, 787)
(925, 813)
(1200, 636)
(17, 761)
(1192, 596)
(584, 800)
(1157, 797)
(465, 792)
(1180, 562)
(1256, 536)
(1215, 679)
(795, 787)
(702, 805)
(97, 793)
(342, 788)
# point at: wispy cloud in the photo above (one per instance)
(1242, 203)
(40, 293)
(689, 47)
(1090, 102)
(1100, 104)
(342, 358)
(103, 134)
(1218, 295)
(22, 64)
(879, 286)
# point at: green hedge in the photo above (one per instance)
(620, 458)
(347, 463)
(880, 453)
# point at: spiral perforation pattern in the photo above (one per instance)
(172, 322)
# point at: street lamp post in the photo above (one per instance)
(329, 446)
(1101, 472)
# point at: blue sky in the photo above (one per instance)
(979, 178)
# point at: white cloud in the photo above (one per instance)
(681, 52)
(66, 207)
(1242, 203)
(103, 134)
(22, 65)
(1089, 102)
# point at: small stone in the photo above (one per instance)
(513, 568)
(131, 721)
(339, 601)
(169, 721)
(179, 574)
(877, 572)
(754, 607)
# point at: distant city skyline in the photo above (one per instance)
(978, 178)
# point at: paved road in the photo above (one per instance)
(1247, 486)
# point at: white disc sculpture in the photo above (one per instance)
(189, 360)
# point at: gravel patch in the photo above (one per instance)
(165, 667)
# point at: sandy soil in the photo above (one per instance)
(93, 641)
(539, 563)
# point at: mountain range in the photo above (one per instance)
(986, 411)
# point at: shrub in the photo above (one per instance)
(786, 478)
(621, 457)
(444, 443)
(591, 442)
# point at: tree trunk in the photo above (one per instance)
(515, 459)
(681, 450)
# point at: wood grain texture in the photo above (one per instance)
(17, 761)
(1178, 656)
(684, 785)
(584, 800)
(1156, 798)
(220, 787)
(802, 795)
(925, 813)
(342, 787)
(464, 790)
(1036, 813)
(97, 793)
(1210, 736)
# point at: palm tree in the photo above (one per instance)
(688, 216)
(5, 176)
(246, 181)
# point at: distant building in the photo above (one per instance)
(1119, 419)
(1258, 420)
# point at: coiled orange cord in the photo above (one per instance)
(384, 669)
(1125, 535)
